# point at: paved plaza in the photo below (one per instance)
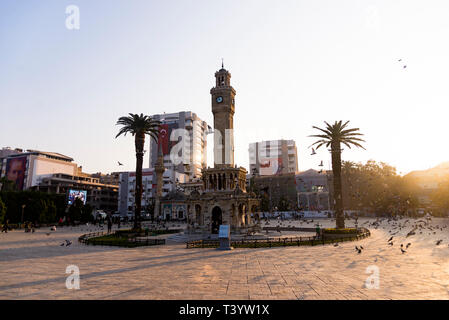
(33, 266)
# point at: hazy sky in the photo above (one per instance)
(294, 64)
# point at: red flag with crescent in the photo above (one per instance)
(163, 138)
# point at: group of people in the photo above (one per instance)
(28, 226)
(64, 221)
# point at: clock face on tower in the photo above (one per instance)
(219, 99)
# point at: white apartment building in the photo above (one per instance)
(193, 157)
(273, 157)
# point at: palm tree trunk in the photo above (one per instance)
(338, 198)
(139, 143)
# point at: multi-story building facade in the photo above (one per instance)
(127, 185)
(278, 191)
(108, 178)
(27, 169)
(314, 190)
(7, 151)
(183, 129)
(56, 173)
(99, 195)
(273, 157)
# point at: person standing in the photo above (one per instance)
(5, 226)
(109, 224)
(318, 230)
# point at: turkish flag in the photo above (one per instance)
(163, 138)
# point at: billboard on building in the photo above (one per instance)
(15, 171)
(77, 194)
(270, 166)
(165, 131)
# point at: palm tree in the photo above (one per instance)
(138, 126)
(335, 135)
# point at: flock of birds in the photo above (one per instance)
(393, 225)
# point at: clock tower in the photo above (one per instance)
(223, 108)
(224, 199)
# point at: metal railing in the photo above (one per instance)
(133, 242)
(278, 242)
(85, 237)
(304, 229)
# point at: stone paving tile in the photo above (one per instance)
(36, 270)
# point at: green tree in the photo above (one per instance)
(2, 211)
(75, 210)
(283, 204)
(14, 200)
(376, 187)
(440, 197)
(335, 135)
(51, 211)
(43, 211)
(7, 185)
(86, 213)
(138, 126)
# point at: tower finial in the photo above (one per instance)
(222, 63)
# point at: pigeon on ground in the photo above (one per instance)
(390, 239)
(408, 245)
(336, 245)
(403, 251)
(439, 242)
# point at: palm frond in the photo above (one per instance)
(135, 123)
(336, 133)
